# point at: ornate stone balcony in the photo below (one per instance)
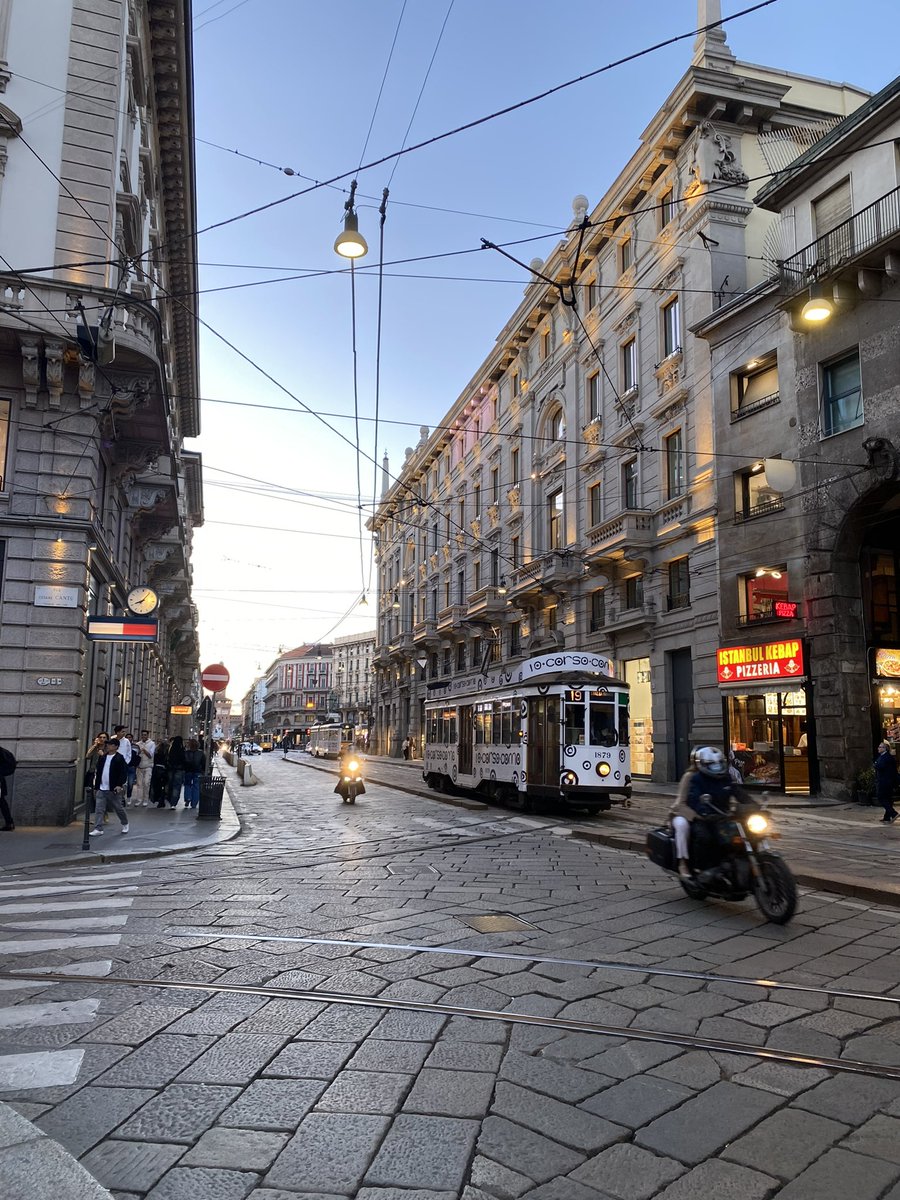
(486, 602)
(425, 632)
(545, 574)
(451, 618)
(619, 538)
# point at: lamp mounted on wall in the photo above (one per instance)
(819, 307)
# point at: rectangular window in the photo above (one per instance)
(628, 377)
(434, 538)
(675, 470)
(626, 255)
(667, 208)
(761, 591)
(593, 396)
(448, 662)
(460, 656)
(755, 386)
(630, 484)
(545, 343)
(434, 603)
(598, 610)
(495, 485)
(634, 592)
(551, 617)
(476, 572)
(514, 552)
(514, 467)
(671, 327)
(495, 568)
(461, 513)
(476, 500)
(4, 443)
(679, 584)
(460, 587)
(842, 402)
(555, 520)
(593, 294)
(595, 503)
(515, 383)
(753, 497)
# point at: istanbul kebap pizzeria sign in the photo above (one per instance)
(771, 660)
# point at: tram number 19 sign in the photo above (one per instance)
(215, 678)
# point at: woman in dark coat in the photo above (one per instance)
(176, 770)
(886, 781)
(159, 779)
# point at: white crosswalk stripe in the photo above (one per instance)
(33, 904)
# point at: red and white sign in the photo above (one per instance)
(771, 660)
(215, 678)
(123, 629)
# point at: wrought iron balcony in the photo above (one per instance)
(873, 226)
(759, 510)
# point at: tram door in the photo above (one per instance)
(465, 739)
(543, 740)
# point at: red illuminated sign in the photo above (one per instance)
(771, 660)
(786, 608)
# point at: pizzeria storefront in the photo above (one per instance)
(886, 684)
(767, 713)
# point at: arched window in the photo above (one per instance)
(556, 426)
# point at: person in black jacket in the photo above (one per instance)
(159, 778)
(885, 781)
(110, 779)
(7, 767)
(194, 766)
(176, 770)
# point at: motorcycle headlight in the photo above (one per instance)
(353, 766)
(757, 823)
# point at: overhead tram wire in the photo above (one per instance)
(387, 67)
(478, 121)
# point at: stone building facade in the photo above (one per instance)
(813, 560)
(298, 689)
(352, 675)
(569, 497)
(253, 707)
(98, 378)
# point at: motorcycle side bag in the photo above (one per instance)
(661, 847)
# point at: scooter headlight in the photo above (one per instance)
(757, 823)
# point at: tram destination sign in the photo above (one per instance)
(589, 668)
(770, 660)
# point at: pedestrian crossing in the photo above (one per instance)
(30, 908)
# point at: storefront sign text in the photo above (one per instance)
(772, 660)
(887, 664)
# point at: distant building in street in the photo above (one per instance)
(808, 567)
(298, 689)
(98, 379)
(352, 676)
(253, 707)
(569, 496)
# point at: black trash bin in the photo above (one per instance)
(212, 788)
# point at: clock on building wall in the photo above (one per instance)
(142, 601)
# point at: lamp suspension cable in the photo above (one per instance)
(382, 212)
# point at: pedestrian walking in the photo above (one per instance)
(885, 782)
(194, 766)
(110, 779)
(7, 769)
(405, 747)
(159, 779)
(128, 754)
(147, 748)
(176, 770)
(287, 743)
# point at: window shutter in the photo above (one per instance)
(833, 208)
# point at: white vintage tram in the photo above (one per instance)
(329, 740)
(554, 726)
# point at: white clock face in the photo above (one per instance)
(142, 600)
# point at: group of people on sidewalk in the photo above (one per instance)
(144, 773)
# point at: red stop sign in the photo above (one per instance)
(215, 678)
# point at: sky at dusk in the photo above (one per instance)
(294, 83)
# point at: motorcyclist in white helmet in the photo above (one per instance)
(707, 792)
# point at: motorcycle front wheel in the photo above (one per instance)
(693, 890)
(774, 890)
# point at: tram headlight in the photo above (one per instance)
(603, 769)
(568, 779)
(757, 823)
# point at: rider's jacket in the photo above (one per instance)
(718, 791)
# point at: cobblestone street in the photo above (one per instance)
(611, 1039)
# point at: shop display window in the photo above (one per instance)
(761, 591)
(637, 676)
(769, 741)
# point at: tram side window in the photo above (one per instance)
(497, 730)
(431, 728)
(603, 723)
(488, 724)
(506, 734)
(451, 730)
(448, 726)
(624, 734)
(479, 726)
(574, 734)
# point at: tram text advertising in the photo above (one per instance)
(552, 727)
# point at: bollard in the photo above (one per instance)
(248, 779)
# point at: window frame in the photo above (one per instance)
(670, 326)
(592, 397)
(628, 365)
(827, 401)
(5, 441)
(595, 504)
(679, 576)
(668, 207)
(626, 254)
(633, 592)
(555, 508)
(630, 484)
(676, 474)
(596, 610)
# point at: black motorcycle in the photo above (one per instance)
(730, 859)
(350, 781)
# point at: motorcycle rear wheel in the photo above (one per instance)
(775, 891)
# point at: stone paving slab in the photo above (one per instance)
(41, 1167)
(724, 1181)
(179, 1114)
(87, 1117)
(563, 1123)
(703, 1125)
(424, 1152)
(451, 1093)
(131, 1166)
(523, 1150)
(330, 1152)
(628, 1172)
(210, 1183)
(838, 1175)
(786, 1143)
(278, 1104)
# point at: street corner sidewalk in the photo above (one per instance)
(152, 833)
(32, 1164)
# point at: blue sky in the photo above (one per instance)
(294, 83)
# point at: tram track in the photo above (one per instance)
(567, 1025)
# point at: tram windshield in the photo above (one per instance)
(574, 719)
(603, 720)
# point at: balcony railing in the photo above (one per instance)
(755, 406)
(875, 223)
(631, 529)
(678, 600)
(759, 510)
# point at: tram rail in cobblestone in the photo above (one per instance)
(629, 1033)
